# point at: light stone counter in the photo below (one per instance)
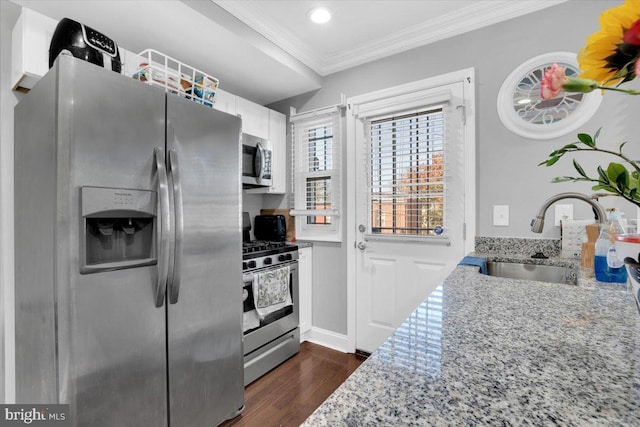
(484, 350)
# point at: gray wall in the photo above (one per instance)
(507, 171)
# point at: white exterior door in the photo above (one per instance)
(411, 188)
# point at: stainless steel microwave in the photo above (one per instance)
(256, 161)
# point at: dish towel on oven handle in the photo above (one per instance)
(271, 290)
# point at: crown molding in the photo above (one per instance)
(480, 14)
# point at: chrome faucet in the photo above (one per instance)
(537, 224)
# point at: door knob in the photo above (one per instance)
(362, 246)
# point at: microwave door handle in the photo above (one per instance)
(165, 227)
(260, 163)
(174, 171)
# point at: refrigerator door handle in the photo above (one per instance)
(165, 227)
(174, 171)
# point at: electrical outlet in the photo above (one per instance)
(501, 215)
(563, 212)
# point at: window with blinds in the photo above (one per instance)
(317, 176)
(316, 172)
(407, 170)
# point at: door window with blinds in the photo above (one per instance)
(407, 170)
(316, 174)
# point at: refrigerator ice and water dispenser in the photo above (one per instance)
(118, 229)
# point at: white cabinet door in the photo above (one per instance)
(255, 117)
(31, 37)
(226, 102)
(278, 137)
(305, 274)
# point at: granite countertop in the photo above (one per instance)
(484, 350)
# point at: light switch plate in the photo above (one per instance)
(501, 215)
(563, 212)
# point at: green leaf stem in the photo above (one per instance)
(621, 178)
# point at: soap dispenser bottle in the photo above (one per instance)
(607, 266)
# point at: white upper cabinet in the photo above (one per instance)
(31, 38)
(255, 118)
(225, 102)
(278, 137)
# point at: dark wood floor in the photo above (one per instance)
(287, 395)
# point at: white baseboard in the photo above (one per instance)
(326, 338)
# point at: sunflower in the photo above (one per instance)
(606, 58)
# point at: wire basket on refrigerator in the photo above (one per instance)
(157, 69)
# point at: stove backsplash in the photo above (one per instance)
(252, 203)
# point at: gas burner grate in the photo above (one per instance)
(261, 245)
(260, 248)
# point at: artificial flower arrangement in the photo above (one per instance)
(610, 58)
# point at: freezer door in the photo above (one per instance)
(110, 334)
(205, 285)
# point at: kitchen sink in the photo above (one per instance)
(538, 272)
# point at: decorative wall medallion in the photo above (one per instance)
(525, 113)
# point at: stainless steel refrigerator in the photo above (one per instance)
(127, 252)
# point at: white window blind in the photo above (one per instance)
(316, 170)
(407, 164)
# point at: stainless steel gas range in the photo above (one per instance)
(270, 305)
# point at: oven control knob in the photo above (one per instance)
(281, 258)
(244, 265)
(252, 264)
(267, 261)
(288, 257)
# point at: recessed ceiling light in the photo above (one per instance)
(320, 15)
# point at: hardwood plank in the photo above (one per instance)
(288, 394)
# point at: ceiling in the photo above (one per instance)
(363, 30)
(267, 50)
